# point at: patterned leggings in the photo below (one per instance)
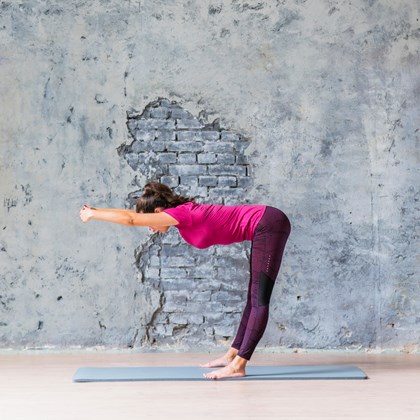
(269, 241)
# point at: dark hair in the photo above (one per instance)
(159, 195)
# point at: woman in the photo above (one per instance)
(204, 225)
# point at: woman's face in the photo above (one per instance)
(162, 229)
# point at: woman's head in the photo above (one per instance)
(157, 195)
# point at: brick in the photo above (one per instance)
(218, 147)
(137, 146)
(132, 159)
(168, 249)
(207, 181)
(231, 261)
(144, 135)
(178, 112)
(154, 169)
(179, 261)
(226, 296)
(174, 285)
(213, 317)
(146, 146)
(227, 181)
(195, 191)
(225, 158)
(205, 158)
(187, 170)
(133, 113)
(182, 124)
(162, 329)
(194, 135)
(241, 159)
(177, 295)
(163, 102)
(240, 147)
(155, 124)
(185, 146)
(244, 182)
(232, 316)
(178, 319)
(230, 136)
(195, 319)
(216, 200)
(154, 261)
(166, 272)
(226, 170)
(203, 296)
(171, 239)
(165, 135)
(188, 182)
(200, 272)
(174, 307)
(224, 330)
(160, 112)
(131, 124)
(170, 181)
(209, 332)
(167, 157)
(152, 272)
(150, 158)
(187, 158)
(225, 192)
(210, 135)
(197, 307)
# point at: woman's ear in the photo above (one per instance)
(158, 209)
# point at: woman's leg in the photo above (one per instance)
(267, 251)
(245, 315)
(235, 346)
(268, 248)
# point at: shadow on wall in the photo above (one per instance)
(195, 296)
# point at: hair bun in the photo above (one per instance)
(156, 195)
(148, 190)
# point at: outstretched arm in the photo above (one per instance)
(127, 217)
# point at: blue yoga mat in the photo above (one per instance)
(189, 373)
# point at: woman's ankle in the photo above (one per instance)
(232, 353)
(239, 362)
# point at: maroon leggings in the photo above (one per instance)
(269, 241)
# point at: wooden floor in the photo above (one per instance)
(39, 386)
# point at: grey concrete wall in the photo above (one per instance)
(326, 94)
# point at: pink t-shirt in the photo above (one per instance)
(204, 225)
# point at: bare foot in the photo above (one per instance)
(228, 371)
(220, 362)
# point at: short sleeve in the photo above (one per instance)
(181, 213)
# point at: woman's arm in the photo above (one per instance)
(112, 210)
(127, 217)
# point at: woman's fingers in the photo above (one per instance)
(84, 214)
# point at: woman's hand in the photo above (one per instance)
(86, 213)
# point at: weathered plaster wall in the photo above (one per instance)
(326, 93)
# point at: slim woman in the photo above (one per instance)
(204, 225)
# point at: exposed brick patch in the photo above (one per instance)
(202, 292)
